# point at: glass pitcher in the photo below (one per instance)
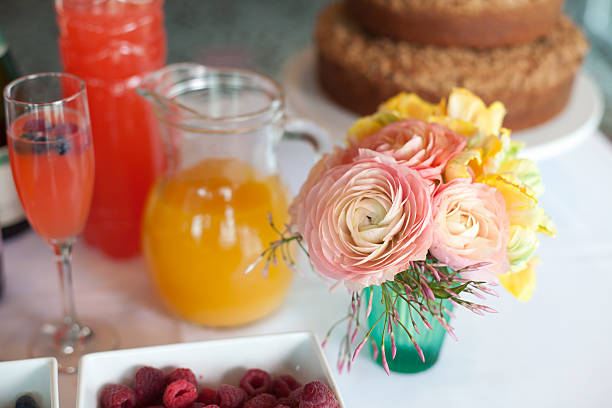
(206, 219)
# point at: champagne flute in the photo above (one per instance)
(52, 159)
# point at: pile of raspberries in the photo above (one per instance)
(152, 388)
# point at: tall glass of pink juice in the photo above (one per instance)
(111, 44)
(52, 159)
(54, 174)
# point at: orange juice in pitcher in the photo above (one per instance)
(202, 230)
(206, 218)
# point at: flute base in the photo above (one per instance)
(68, 342)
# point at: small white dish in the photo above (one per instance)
(578, 121)
(214, 362)
(36, 377)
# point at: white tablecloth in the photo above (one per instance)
(551, 352)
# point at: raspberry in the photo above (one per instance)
(281, 406)
(212, 406)
(180, 394)
(283, 385)
(316, 395)
(293, 400)
(208, 396)
(117, 396)
(198, 405)
(261, 401)
(230, 396)
(287, 402)
(182, 374)
(155, 406)
(256, 381)
(291, 382)
(149, 384)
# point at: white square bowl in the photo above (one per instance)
(214, 362)
(37, 377)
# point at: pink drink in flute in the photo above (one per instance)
(52, 160)
(111, 44)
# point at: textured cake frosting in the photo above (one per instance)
(511, 74)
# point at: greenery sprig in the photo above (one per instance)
(423, 287)
(279, 247)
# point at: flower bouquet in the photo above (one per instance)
(425, 209)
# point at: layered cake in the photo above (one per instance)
(462, 23)
(359, 70)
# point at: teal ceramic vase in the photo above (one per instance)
(407, 359)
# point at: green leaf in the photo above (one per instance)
(439, 293)
(461, 288)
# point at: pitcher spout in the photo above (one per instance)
(161, 87)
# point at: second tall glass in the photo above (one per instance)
(111, 44)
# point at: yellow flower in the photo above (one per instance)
(522, 244)
(456, 125)
(467, 164)
(412, 106)
(521, 201)
(546, 225)
(521, 284)
(369, 125)
(526, 171)
(361, 129)
(401, 106)
(466, 114)
(463, 104)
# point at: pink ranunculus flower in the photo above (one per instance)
(471, 226)
(425, 147)
(364, 220)
(337, 157)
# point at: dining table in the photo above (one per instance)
(553, 351)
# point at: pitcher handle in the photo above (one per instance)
(309, 132)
